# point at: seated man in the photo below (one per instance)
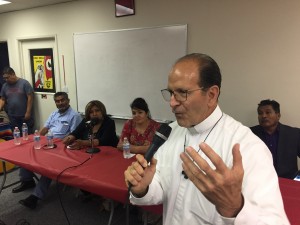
(282, 140)
(61, 122)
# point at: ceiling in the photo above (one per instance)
(17, 5)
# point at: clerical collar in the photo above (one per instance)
(207, 123)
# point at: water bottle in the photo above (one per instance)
(36, 140)
(126, 148)
(25, 131)
(50, 139)
(17, 136)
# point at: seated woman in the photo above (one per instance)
(140, 129)
(104, 133)
(103, 129)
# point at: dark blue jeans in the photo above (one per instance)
(17, 121)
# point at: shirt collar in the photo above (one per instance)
(275, 132)
(206, 124)
(64, 111)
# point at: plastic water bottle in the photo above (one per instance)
(126, 148)
(37, 140)
(25, 131)
(49, 139)
(17, 136)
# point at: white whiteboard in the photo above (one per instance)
(118, 66)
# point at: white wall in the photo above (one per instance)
(256, 43)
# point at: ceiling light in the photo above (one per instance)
(2, 2)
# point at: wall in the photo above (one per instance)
(256, 43)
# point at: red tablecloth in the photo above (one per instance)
(290, 191)
(103, 172)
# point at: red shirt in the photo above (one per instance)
(136, 138)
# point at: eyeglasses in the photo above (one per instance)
(179, 95)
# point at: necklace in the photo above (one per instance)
(183, 173)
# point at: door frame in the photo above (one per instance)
(43, 105)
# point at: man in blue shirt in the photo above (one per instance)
(282, 140)
(61, 122)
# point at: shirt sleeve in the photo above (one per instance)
(80, 130)
(75, 121)
(154, 195)
(3, 95)
(49, 120)
(153, 126)
(28, 88)
(126, 130)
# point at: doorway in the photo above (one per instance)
(43, 102)
(4, 60)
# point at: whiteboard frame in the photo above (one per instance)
(183, 50)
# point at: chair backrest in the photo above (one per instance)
(6, 131)
(4, 117)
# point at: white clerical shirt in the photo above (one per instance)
(184, 204)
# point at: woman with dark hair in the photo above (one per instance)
(140, 129)
(103, 128)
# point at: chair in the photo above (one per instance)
(5, 135)
(4, 117)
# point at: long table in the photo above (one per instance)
(103, 173)
(290, 190)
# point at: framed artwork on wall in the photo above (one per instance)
(124, 8)
(42, 70)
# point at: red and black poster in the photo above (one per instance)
(42, 70)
